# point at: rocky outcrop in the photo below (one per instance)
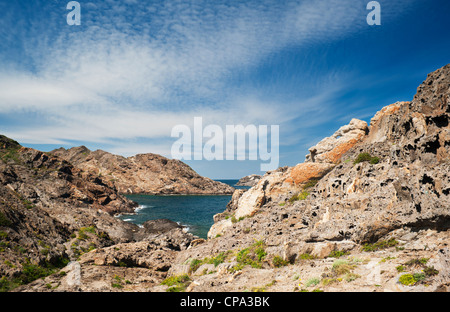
(250, 180)
(143, 173)
(138, 265)
(46, 208)
(47, 179)
(289, 181)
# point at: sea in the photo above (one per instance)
(195, 212)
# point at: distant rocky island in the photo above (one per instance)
(367, 210)
(250, 180)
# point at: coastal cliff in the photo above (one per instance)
(368, 210)
(143, 173)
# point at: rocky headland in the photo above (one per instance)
(143, 173)
(368, 210)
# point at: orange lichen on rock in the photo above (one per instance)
(304, 172)
(336, 153)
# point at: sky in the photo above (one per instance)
(135, 69)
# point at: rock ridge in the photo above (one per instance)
(143, 173)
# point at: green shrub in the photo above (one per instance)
(260, 253)
(312, 282)
(366, 157)
(195, 264)
(10, 154)
(220, 258)
(430, 271)
(350, 277)
(419, 276)
(302, 196)
(177, 279)
(400, 268)
(31, 271)
(117, 282)
(252, 256)
(177, 283)
(310, 184)
(341, 267)
(279, 262)
(4, 221)
(407, 279)
(83, 230)
(362, 157)
(306, 256)
(374, 160)
(234, 220)
(418, 262)
(9, 284)
(380, 245)
(3, 235)
(337, 254)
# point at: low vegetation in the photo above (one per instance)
(4, 221)
(86, 240)
(414, 278)
(366, 157)
(118, 282)
(30, 272)
(279, 262)
(312, 282)
(196, 263)
(337, 254)
(177, 283)
(253, 256)
(301, 196)
(380, 245)
(10, 154)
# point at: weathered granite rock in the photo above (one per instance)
(143, 173)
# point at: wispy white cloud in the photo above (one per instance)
(135, 69)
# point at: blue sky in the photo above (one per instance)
(135, 69)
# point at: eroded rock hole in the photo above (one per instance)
(432, 146)
(440, 121)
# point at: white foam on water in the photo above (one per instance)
(141, 207)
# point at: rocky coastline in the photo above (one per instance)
(368, 210)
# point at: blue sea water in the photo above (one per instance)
(193, 211)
